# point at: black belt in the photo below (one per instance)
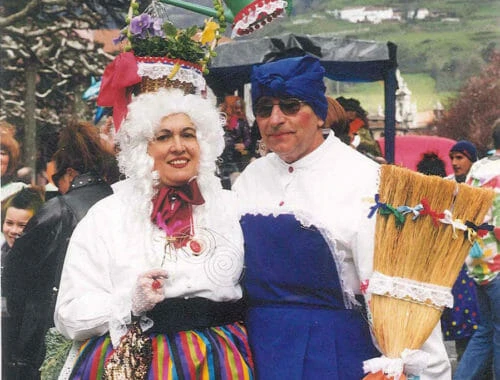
(178, 314)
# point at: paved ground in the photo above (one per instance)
(452, 354)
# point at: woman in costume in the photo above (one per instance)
(155, 267)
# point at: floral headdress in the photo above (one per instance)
(151, 34)
(157, 55)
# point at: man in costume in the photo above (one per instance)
(483, 267)
(308, 239)
(460, 322)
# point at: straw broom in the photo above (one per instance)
(424, 250)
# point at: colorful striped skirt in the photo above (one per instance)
(211, 353)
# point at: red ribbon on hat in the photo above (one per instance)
(118, 76)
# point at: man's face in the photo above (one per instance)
(291, 132)
(460, 163)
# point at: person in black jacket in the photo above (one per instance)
(237, 140)
(34, 264)
(17, 210)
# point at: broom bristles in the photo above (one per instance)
(400, 324)
(420, 251)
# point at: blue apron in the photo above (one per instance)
(297, 323)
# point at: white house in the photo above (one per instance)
(419, 14)
(374, 15)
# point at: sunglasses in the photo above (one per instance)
(56, 177)
(289, 106)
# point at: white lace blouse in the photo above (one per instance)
(115, 243)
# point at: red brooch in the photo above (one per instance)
(195, 247)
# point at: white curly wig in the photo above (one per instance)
(145, 113)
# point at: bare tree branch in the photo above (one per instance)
(9, 20)
(43, 36)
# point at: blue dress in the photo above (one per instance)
(462, 320)
(297, 323)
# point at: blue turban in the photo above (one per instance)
(298, 77)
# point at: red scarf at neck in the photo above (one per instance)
(172, 210)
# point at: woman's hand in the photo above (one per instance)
(148, 291)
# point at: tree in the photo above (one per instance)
(45, 66)
(471, 114)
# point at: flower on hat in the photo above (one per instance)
(142, 25)
(151, 34)
(209, 33)
(157, 54)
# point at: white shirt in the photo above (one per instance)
(12, 188)
(332, 188)
(114, 244)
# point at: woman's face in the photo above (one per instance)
(14, 223)
(175, 150)
(4, 160)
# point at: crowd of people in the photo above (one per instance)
(196, 246)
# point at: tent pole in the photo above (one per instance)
(390, 87)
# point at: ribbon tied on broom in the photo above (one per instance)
(421, 242)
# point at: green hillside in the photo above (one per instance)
(371, 95)
(435, 55)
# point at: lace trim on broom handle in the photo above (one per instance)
(411, 290)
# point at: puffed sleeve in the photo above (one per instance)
(88, 304)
